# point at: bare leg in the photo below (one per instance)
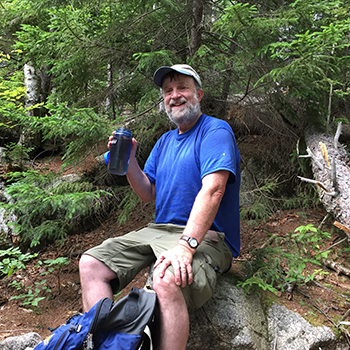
(94, 278)
(174, 319)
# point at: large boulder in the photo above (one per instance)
(232, 319)
(24, 342)
(292, 332)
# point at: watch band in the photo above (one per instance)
(192, 242)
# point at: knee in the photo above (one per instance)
(90, 266)
(165, 287)
(91, 269)
(87, 264)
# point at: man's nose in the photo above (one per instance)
(175, 94)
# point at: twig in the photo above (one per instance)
(323, 221)
(313, 182)
(345, 316)
(314, 158)
(316, 307)
(329, 290)
(337, 135)
(333, 245)
(334, 176)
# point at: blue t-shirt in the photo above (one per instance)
(177, 164)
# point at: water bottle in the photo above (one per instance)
(119, 155)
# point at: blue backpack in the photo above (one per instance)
(125, 325)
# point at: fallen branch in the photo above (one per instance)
(345, 316)
(333, 245)
(339, 269)
(323, 221)
(317, 308)
(330, 290)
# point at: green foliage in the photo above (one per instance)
(255, 211)
(18, 154)
(32, 294)
(128, 204)
(80, 128)
(306, 196)
(283, 260)
(12, 91)
(53, 265)
(46, 208)
(13, 260)
(262, 198)
(32, 297)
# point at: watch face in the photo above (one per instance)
(193, 243)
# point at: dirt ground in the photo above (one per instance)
(321, 303)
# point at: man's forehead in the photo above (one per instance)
(177, 78)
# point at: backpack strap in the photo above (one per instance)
(132, 305)
(102, 310)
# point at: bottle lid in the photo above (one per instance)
(124, 130)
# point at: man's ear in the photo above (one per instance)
(200, 94)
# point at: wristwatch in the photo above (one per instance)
(192, 242)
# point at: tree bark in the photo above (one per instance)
(331, 169)
(196, 30)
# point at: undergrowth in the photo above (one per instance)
(283, 260)
(44, 207)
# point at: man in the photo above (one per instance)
(193, 174)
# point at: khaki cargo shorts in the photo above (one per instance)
(127, 255)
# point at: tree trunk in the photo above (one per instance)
(31, 82)
(196, 30)
(345, 84)
(110, 85)
(331, 169)
(28, 137)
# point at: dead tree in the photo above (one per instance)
(331, 169)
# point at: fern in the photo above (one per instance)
(46, 210)
(128, 204)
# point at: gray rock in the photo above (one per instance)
(232, 320)
(2, 156)
(292, 332)
(23, 342)
(229, 320)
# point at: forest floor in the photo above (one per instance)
(322, 302)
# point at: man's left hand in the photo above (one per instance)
(180, 257)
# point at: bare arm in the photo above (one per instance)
(138, 179)
(201, 218)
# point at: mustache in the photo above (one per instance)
(177, 101)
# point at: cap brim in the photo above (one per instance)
(163, 71)
(159, 75)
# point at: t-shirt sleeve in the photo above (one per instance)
(219, 152)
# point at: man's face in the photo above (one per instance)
(181, 99)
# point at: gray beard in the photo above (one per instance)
(187, 116)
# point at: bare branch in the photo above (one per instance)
(311, 155)
(337, 135)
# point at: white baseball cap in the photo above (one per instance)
(180, 68)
